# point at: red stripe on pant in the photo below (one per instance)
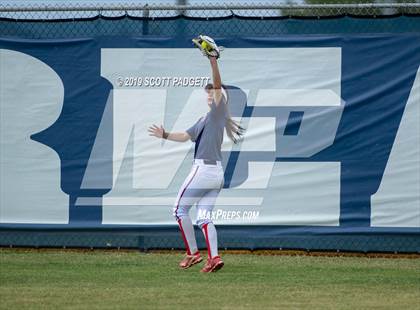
(206, 235)
(184, 237)
(179, 219)
(183, 192)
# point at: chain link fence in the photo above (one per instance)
(154, 239)
(249, 19)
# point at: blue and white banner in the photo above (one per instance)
(332, 131)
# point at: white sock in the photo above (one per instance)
(187, 231)
(210, 234)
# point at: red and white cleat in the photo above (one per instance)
(213, 264)
(190, 260)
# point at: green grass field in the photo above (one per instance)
(59, 279)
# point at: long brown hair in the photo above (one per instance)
(234, 130)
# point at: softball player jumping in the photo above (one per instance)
(205, 180)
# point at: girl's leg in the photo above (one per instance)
(187, 232)
(209, 231)
(214, 262)
(187, 196)
(204, 209)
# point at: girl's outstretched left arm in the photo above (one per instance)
(159, 132)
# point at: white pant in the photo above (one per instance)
(201, 186)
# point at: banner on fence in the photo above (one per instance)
(332, 131)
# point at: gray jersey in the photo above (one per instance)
(207, 132)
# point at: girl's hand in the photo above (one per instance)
(156, 131)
